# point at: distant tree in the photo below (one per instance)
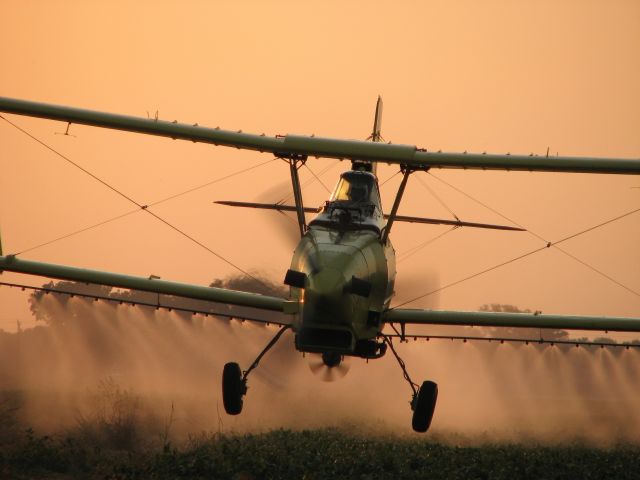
(42, 313)
(502, 307)
(51, 316)
(517, 332)
(255, 284)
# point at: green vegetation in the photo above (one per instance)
(311, 454)
(115, 433)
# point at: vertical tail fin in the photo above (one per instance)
(377, 122)
(377, 128)
(374, 137)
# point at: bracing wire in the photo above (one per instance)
(217, 180)
(131, 212)
(77, 232)
(389, 178)
(318, 178)
(308, 182)
(539, 237)
(413, 250)
(129, 199)
(433, 194)
(520, 257)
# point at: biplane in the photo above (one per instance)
(342, 274)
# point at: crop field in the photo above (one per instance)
(104, 392)
(120, 439)
(309, 454)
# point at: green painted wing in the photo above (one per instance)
(499, 319)
(287, 145)
(197, 292)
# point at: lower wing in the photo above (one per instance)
(406, 316)
(196, 292)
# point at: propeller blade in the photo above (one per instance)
(277, 367)
(317, 367)
(283, 222)
(415, 282)
(327, 376)
(325, 373)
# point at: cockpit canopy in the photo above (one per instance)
(355, 204)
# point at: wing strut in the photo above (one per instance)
(396, 205)
(295, 162)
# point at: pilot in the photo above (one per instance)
(359, 192)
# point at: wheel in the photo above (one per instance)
(233, 388)
(424, 406)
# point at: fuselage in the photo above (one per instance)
(349, 272)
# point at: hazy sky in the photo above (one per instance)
(496, 76)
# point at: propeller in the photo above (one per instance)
(278, 365)
(329, 366)
(284, 223)
(412, 282)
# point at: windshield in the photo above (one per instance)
(355, 187)
(354, 204)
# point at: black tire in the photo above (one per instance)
(424, 406)
(233, 388)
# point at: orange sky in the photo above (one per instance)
(491, 76)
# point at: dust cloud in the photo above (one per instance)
(94, 359)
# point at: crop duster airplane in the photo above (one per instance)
(343, 269)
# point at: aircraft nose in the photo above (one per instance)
(325, 287)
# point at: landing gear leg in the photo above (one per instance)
(234, 381)
(423, 399)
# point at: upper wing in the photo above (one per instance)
(406, 316)
(197, 292)
(297, 145)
